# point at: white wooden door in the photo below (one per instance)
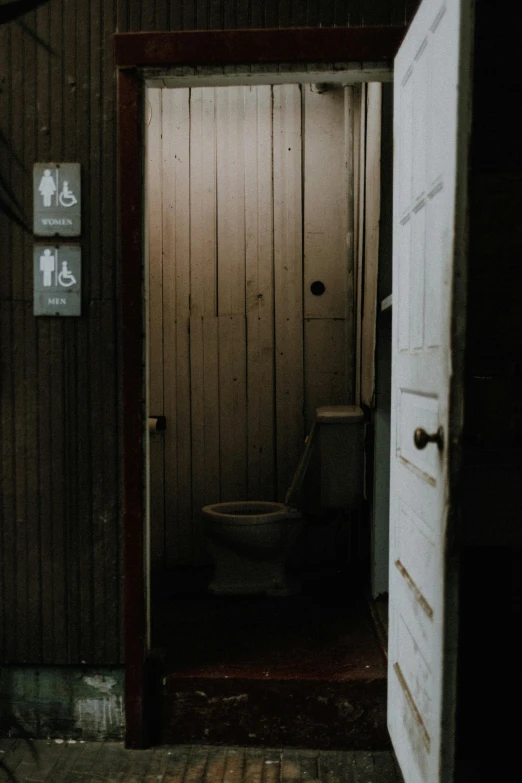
(431, 124)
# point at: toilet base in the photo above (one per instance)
(242, 573)
(275, 589)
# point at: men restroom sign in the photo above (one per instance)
(57, 280)
(57, 199)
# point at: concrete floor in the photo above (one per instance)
(26, 761)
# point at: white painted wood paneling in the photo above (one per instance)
(325, 202)
(230, 227)
(259, 273)
(205, 421)
(288, 277)
(327, 363)
(359, 134)
(372, 214)
(350, 150)
(203, 202)
(230, 144)
(154, 196)
(176, 312)
(232, 406)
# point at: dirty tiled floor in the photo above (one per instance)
(23, 761)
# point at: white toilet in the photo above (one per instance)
(249, 540)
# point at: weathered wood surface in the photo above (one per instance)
(44, 761)
(60, 415)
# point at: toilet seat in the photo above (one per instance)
(246, 512)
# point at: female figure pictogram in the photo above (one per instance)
(47, 187)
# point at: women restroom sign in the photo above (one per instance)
(57, 279)
(57, 199)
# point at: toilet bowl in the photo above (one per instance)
(249, 540)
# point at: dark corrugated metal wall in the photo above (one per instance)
(60, 532)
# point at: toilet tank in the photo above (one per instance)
(341, 455)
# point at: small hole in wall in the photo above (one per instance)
(317, 288)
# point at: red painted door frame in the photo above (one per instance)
(133, 52)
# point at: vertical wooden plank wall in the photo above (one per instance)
(60, 539)
(60, 552)
(263, 348)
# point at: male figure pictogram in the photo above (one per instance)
(47, 267)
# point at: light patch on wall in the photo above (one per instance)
(101, 683)
(99, 715)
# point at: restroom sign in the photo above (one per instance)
(57, 279)
(57, 199)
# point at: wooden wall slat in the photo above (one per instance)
(372, 210)
(203, 251)
(68, 583)
(18, 137)
(55, 131)
(44, 490)
(95, 587)
(72, 388)
(106, 604)
(325, 203)
(176, 312)
(107, 183)
(5, 438)
(154, 206)
(93, 192)
(82, 87)
(288, 282)
(349, 153)
(59, 553)
(30, 132)
(259, 273)
(359, 137)
(7, 445)
(327, 363)
(7, 160)
(36, 594)
(78, 574)
(20, 516)
(232, 407)
(134, 16)
(205, 395)
(230, 143)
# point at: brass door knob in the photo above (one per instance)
(421, 438)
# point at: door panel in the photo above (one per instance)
(430, 115)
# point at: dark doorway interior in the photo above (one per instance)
(298, 671)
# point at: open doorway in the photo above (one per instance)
(263, 250)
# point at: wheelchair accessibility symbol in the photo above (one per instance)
(67, 197)
(66, 277)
